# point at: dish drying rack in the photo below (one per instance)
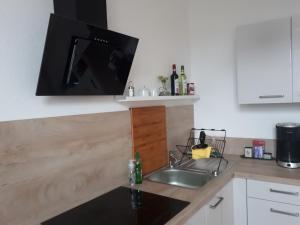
(215, 138)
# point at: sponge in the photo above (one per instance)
(202, 153)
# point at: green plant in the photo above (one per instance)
(163, 79)
(163, 90)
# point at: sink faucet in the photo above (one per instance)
(173, 161)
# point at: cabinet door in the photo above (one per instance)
(214, 211)
(240, 201)
(296, 57)
(227, 204)
(262, 212)
(198, 218)
(219, 211)
(210, 214)
(264, 62)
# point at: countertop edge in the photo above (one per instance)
(256, 170)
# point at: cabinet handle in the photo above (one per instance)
(284, 213)
(271, 96)
(217, 203)
(284, 192)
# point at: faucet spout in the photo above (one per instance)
(173, 161)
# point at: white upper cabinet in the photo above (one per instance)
(296, 57)
(264, 62)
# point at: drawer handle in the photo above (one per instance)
(284, 192)
(271, 96)
(217, 203)
(284, 213)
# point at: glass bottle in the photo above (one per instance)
(182, 82)
(138, 169)
(174, 82)
(131, 172)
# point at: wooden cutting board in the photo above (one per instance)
(149, 136)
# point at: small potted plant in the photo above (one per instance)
(163, 91)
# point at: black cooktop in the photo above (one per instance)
(122, 206)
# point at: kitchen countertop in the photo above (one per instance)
(238, 167)
(241, 168)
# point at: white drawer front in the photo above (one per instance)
(262, 212)
(274, 192)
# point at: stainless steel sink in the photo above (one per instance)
(190, 174)
(209, 165)
(181, 177)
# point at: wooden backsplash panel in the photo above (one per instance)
(148, 127)
(180, 120)
(235, 146)
(50, 165)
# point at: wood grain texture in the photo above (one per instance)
(235, 146)
(148, 127)
(50, 165)
(180, 120)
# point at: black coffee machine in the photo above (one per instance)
(288, 145)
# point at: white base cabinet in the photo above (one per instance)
(198, 218)
(210, 214)
(219, 211)
(275, 192)
(272, 203)
(239, 201)
(263, 212)
(251, 202)
(214, 210)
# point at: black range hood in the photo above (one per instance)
(82, 57)
(88, 11)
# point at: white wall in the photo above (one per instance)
(163, 32)
(160, 25)
(212, 32)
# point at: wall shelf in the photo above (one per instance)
(139, 101)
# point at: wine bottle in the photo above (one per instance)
(174, 81)
(182, 82)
